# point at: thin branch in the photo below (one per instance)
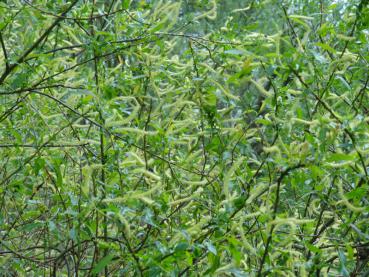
(274, 215)
(25, 54)
(94, 16)
(44, 146)
(4, 52)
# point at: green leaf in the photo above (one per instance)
(125, 4)
(344, 82)
(338, 157)
(102, 264)
(39, 164)
(326, 47)
(234, 52)
(210, 99)
(214, 262)
(313, 248)
(211, 248)
(263, 121)
(182, 246)
(343, 269)
(357, 193)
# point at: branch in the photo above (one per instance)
(275, 210)
(21, 59)
(4, 51)
(37, 146)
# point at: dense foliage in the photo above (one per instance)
(184, 138)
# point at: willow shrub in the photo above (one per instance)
(184, 138)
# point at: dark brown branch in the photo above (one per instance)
(25, 54)
(44, 146)
(274, 215)
(4, 52)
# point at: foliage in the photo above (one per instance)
(184, 138)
